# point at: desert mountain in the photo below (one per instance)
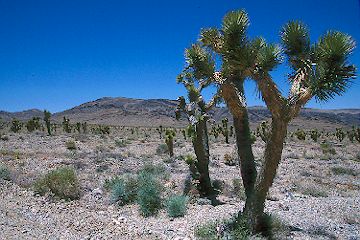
(154, 112)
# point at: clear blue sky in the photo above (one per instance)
(58, 54)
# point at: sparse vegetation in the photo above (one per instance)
(4, 172)
(16, 125)
(176, 206)
(47, 116)
(169, 140)
(124, 189)
(70, 145)
(149, 194)
(61, 183)
(343, 171)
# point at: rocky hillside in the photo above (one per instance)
(154, 112)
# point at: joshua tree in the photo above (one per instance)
(300, 134)
(160, 131)
(169, 140)
(84, 127)
(196, 112)
(47, 116)
(340, 134)
(314, 134)
(263, 131)
(319, 70)
(33, 124)
(16, 125)
(66, 125)
(225, 129)
(78, 127)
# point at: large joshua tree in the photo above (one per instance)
(319, 70)
(196, 111)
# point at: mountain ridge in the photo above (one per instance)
(154, 112)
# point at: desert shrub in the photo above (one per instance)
(61, 183)
(327, 148)
(16, 125)
(4, 137)
(234, 228)
(343, 171)
(300, 134)
(152, 169)
(176, 206)
(33, 124)
(4, 172)
(70, 145)
(121, 143)
(162, 149)
(189, 159)
(218, 185)
(238, 189)
(314, 135)
(313, 191)
(207, 231)
(124, 190)
(149, 194)
(102, 130)
(229, 159)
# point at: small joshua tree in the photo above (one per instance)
(78, 127)
(225, 129)
(160, 131)
(300, 134)
(47, 116)
(33, 124)
(340, 134)
(66, 125)
(16, 125)
(314, 134)
(84, 127)
(169, 140)
(263, 131)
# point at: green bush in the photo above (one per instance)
(121, 143)
(207, 231)
(157, 170)
(343, 171)
(16, 125)
(70, 145)
(149, 194)
(4, 173)
(124, 190)
(61, 182)
(176, 206)
(327, 148)
(162, 149)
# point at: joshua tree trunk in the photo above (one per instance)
(255, 204)
(235, 100)
(201, 147)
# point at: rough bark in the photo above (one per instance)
(235, 100)
(201, 148)
(254, 206)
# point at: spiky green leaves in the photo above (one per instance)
(267, 56)
(296, 43)
(332, 74)
(200, 61)
(234, 28)
(211, 37)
